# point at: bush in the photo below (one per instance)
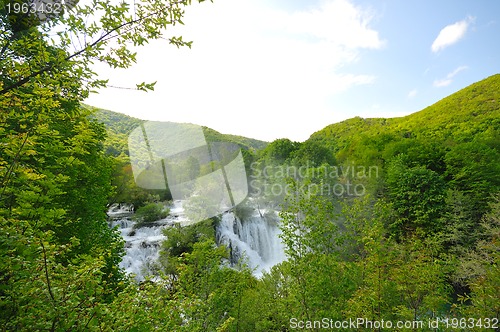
(151, 212)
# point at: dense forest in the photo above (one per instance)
(382, 220)
(414, 239)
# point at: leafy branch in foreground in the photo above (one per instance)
(59, 260)
(98, 31)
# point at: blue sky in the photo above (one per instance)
(287, 68)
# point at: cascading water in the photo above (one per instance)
(142, 245)
(254, 239)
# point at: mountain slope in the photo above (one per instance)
(453, 144)
(470, 112)
(119, 126)
(477, 105)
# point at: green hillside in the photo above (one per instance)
(455, 143)
(115, 122)
(468, 114)
(446, 155)
(244, 142)
(119, 126)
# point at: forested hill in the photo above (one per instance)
(472, 113)
(115, 122)
(119, 126)
(456, 140)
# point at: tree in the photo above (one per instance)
(217, 291)
(59, 259)
(419, 276)
(366, 243)
(461, 231)
(417, 195)
(97, 31)
(279, 150)
(473, 169)
(55, 244)
(180, 240)
(320, 283)
(480, 269)
(314, 154)
(398, 281)
(151, 212)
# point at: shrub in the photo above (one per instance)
(151, 212)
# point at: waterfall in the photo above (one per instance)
(142, 245)
(255, 240)
(142, 250)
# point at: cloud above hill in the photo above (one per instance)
(449, 78)
(451, 34)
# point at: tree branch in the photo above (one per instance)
(7, 175)
(103, 38)
(47, 272)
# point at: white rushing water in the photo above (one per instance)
(142, 245)
(254, 239)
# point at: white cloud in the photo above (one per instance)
(449, 78)
(338, 22)
(442, 83)
(451, 34)
(250, 68)
(412, 93)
